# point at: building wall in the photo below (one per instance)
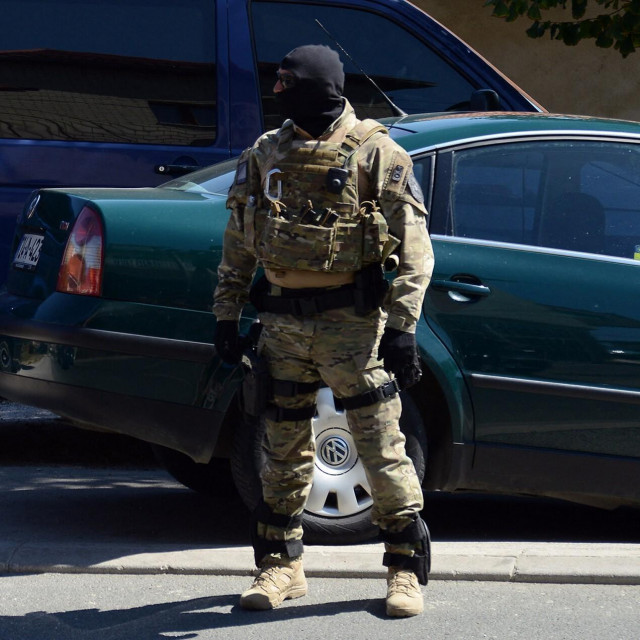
(583, 79)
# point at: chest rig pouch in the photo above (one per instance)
(312, 218)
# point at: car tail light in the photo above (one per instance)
(81, 268)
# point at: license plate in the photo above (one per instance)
(28, 252)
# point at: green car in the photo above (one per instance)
(530, 337)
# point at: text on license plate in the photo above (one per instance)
(28, 252)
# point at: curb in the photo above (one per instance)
(617, 564)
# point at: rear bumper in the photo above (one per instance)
(170, 392)
(192, 430)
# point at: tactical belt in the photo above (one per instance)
(301, 302)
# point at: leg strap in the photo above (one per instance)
(418, 534)
(282, 414)
(263, 513)
(291, 389)
(386, 390)
(261, 546)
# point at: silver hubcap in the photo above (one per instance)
(340, 487)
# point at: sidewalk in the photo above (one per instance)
(502, 562)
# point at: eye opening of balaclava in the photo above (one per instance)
(315, 100)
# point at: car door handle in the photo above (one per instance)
(465, 288)
(175, 169)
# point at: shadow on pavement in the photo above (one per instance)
(182, 620)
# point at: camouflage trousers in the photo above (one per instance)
(338, 348)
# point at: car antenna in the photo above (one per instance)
(394, 107)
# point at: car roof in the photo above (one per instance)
(418, 132)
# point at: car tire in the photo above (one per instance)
(324, 524)
(7, 363)
(212, 479)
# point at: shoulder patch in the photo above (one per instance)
(414, 188)
(241, 172)
(398, 173)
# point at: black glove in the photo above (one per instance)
(399, 352)
(227, 341)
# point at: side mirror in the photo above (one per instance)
(484, 100)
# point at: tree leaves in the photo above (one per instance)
(617, 26)
(578, 9)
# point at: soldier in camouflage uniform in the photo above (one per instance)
(320, 204)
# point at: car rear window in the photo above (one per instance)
(101, 71)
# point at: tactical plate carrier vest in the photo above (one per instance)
(308, 215)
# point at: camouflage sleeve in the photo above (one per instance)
(404, 300)
(238, 266)
(401, 201)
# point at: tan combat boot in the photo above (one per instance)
(404, 597)
(279, 579)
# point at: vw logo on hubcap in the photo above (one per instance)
(334, 451)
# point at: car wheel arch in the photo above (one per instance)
(445, 405)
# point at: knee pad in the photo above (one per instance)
(420, 563)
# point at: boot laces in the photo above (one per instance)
(269, 575)
(404, 582)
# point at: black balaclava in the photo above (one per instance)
(316, 99)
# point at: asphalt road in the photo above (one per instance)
(107, 607)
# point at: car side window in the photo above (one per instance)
(417, 78)
(423, 173)
(613, 179)
(572, 195)
(101, 71)
(494, 193)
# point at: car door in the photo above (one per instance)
(536, 290)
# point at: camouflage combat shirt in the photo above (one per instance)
(403, 209)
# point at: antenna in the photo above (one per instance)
(394, 107)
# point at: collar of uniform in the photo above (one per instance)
(336, 130)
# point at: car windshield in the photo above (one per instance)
(214, 180)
